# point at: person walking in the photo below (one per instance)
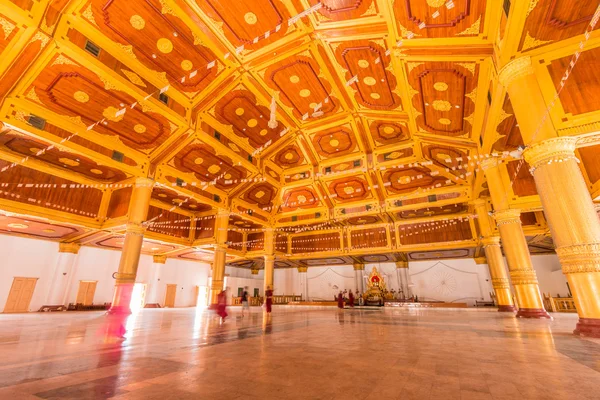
(245, 305)
(222, 305)
(268, 299)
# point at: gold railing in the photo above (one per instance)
(257, 301)
(560, 304)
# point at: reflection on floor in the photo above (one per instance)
(294, 353)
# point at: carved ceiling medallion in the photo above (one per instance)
(441, 105)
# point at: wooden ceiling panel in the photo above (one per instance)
(327, 261)
(168, 223)
(207, 165)
(410, 179)
(37, 228)
(247, 20)
(240, 111)
(342, 10)
(261, 194)
(148, 246)
(302, 85)
(378, 258)
(580, 94)
(289, 157)
(21, 144)
(364, 220)
(334, 142)
(299, 198)
(550, 21)
(76, 93)
(237, 222)
(441, 254)
(150, 32)
(523, 183)
(465, 19)
(388, 132)
(508, 130)
(171, 198)
(350, 189)
(591, 162)
(420, 233)
(445, 102)
(376, 87)
(433, 211)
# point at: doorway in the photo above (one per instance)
(170, 295)
(20, 295)
(85, 294)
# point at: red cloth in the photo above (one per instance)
(340, 300)
(351, 299)
(222, 305)
(269, 300)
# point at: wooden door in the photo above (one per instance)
(20, 295)
(85, 294)
(196, 294)
(170, 295)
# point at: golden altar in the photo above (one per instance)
(376, 292)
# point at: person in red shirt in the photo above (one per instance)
(340, 300)
(268, 298)
(222, 305)
(351, 299)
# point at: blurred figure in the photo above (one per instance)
(245, 305)
(340, 300)
(351, 299)
(222, 305)
(268, 299)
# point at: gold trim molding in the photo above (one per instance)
(579, 258)
(551, 150)
(508, 216)
(523, 277)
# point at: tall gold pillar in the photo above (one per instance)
(522, 274)
(218, 266)
(402, 273)
(269, 247)
(358, 276)
(574, 224)
(132, 247)
(495, 261)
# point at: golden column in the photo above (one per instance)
(567, 204)
(402, 273)
(218, 266)
(494, 259)
(574, 224)
(132, 248)
(522, 274)
(269, 247)
(358, 276)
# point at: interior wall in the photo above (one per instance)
(32, 258)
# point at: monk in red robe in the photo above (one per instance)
(340, 300)
(222, 305)
(268, 298)
(351, 299)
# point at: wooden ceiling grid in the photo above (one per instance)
(347, 158)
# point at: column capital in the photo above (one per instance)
(490, 241)
(401, 264)
(480, 260)
(69, 247)
(269, 257)
(143, 182)
(135, 229)
(222, 212)
(358, 266)
(508, 216)
(302, 269)
(579, 258)
(254, 271)
(514, 70)
(479, 202)
(159, 258)
(551, 150)
(489, 163)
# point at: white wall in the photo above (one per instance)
(34, 258)
(550, 276)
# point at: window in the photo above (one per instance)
(117, 156)
(431, 198)
(179, 182)
(356, 163)
(163, 98)
(37, 122)
(506, 7)
(217, 136)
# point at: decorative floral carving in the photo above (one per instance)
(133, 78)
(515, 69)
(531, 42)
(62, 60)
(32, 95)
(468, 66)
(562, 148)
(7, 27)
(473, 29)
(580, 258)
(89, 15)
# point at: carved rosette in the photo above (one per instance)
(509, 216)
(551, 150)
(500, 283)
(579, 258)
(523, 277)
(514, 70)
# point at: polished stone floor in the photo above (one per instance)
(297, 354)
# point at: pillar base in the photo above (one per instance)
(589, 327)
(533, 313)
(504, 308)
